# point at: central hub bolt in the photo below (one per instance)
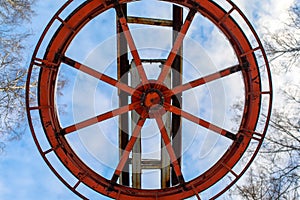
(152, 98)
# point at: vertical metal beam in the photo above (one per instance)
(165, 158)
(177, 100)
(137, 148)
(123, 69)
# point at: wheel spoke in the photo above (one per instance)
(128, 149)
(199, 121)
(176, 46)
(170, 150)
(100, 118)
(131, 44)
(98, 75)
(195, 83)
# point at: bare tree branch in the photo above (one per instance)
(13, 35)
(277, 174)
(285, 43)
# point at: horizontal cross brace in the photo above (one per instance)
(149, 163)
(149, 21)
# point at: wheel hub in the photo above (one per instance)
(152, 100)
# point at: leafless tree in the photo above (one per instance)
(276, 175)
(14, 14)
(285, 42)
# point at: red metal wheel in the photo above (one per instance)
(151, 99)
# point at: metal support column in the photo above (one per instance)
(165, 158)
(137, 148)
(177, 100)
(123, 69)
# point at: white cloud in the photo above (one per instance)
(24, 174)
(266, 14)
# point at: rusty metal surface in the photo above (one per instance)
(176, 130)
(137, 148)
(123, 69)
(149, 21)
(56, 135)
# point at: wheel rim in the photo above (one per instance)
(150, 99)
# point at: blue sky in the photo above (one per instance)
(23, 173)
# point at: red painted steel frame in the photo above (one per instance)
(144, 97)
